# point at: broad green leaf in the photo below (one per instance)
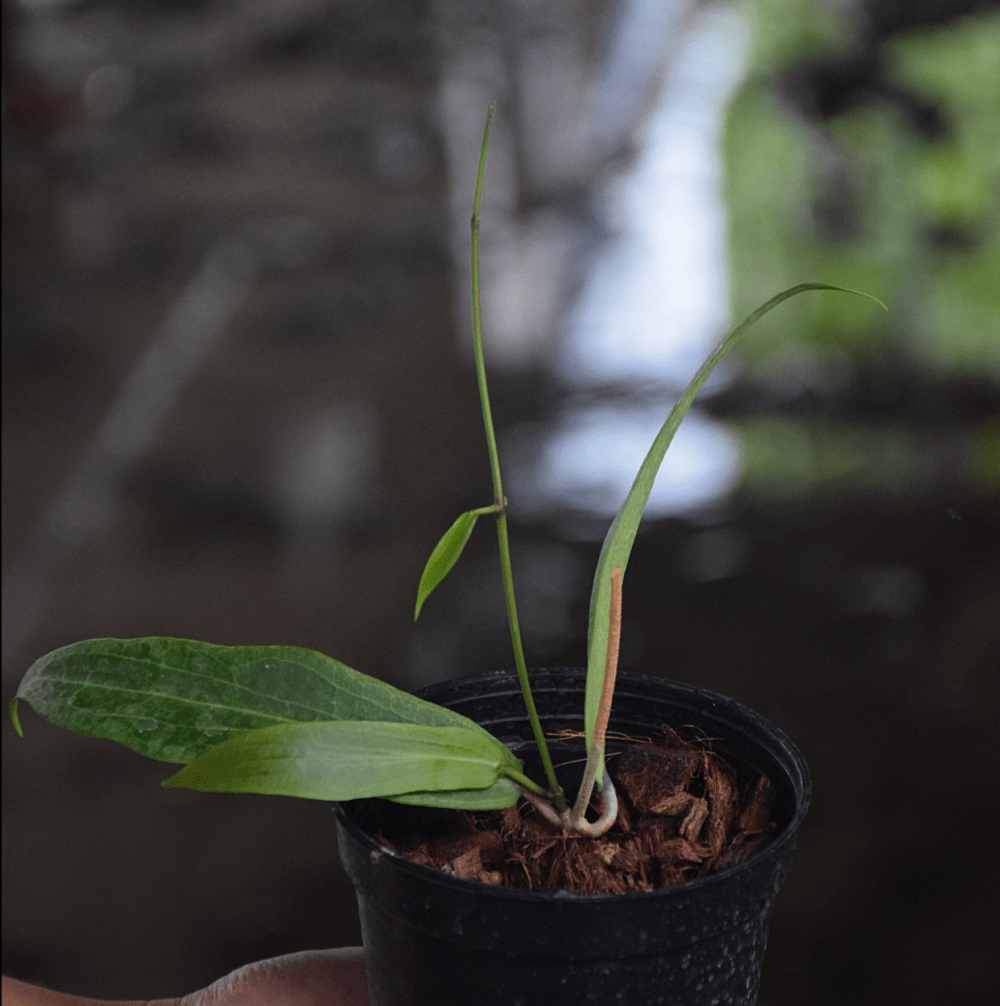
(173, 699)
(347, 760)
(621, 535)
(446, 553)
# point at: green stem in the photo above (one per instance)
(595, 757)
(477, 316)
(485, 511)
(524, 782)
(501, 501)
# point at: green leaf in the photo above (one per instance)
(347, 760)
(173, 699)
(446, 553)
(503, 793)
(620, 537)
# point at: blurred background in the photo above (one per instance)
(239, 406)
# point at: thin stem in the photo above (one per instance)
(501, 501)
(477, 313)
(611, 661)
(544, 808)
(484, 511)
(525, 784)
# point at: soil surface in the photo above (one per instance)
(681, 816)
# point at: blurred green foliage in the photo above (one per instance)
(874, 163)
(798, 457)
(787, 30)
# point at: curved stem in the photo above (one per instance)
(569, 821)
(609, 812)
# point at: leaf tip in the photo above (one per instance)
(868, 296)
(172, 781)
(14, 718)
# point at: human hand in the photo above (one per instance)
(310, 978)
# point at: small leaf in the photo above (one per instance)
(621, 535)
(173, 699)
(446, 553)
(347, 760)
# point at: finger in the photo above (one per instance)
(309, 978)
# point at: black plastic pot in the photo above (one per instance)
(431, 938)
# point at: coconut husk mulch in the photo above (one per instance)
(681, 816)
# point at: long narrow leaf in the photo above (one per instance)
(618, 542)
(173, 699)
(347, 760)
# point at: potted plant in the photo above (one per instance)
(290, 721)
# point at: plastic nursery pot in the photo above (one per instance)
(431, 938)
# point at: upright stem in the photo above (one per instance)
(596, 754)
(501, 500)
(477, 316)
